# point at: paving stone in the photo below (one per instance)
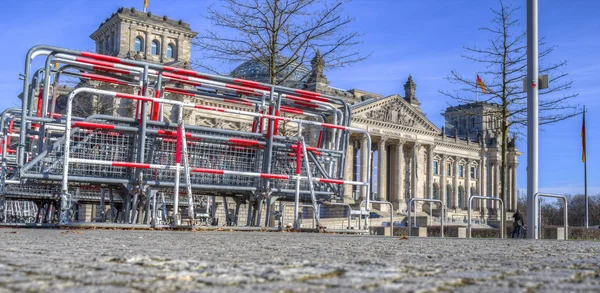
(179, 261)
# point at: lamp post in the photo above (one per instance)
(532, 114)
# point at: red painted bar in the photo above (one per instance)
(245, 142)
(131, 165)
(298, 157)
(90, 125)
(210, 171)
(101, 57)
(178, 146)
(274, 176)
(334, 181)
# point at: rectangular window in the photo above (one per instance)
(436, 166)
(461, 171)
(472, 172)
(449, 168)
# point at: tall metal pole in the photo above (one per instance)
(532, 115)
(585, 171)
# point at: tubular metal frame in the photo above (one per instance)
(44, 129)
(413, 202)
(502, 215)
(536, 199)
(377, 202)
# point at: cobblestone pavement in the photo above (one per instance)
(162, 261)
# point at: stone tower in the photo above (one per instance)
(477, 120)
(129, 33)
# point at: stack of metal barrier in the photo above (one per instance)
(144, 156)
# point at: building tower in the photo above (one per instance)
(129, 33)
(477, 120)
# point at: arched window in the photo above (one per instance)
(155, 48)
(139, 44)
(170, 51)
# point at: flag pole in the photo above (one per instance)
(476, 91)
(585, 172)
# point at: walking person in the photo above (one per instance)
(518, 224)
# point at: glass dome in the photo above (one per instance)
(254, 70)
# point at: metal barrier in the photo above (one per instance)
(367, 202)
(502, 213)
(537, 227)
(301, 206)
(341, 204)
(414, 200)
(138, 153)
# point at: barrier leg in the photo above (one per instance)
(249, 215)
(310, 185)
(102, 205)
(147, 210)
(134, 208)
(65, 208)
(238, 203)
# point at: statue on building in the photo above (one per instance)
(512, 142)
(317, 80)
(410, 87)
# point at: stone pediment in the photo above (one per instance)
(395, 110)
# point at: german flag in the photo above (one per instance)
(583, 139)
(481, 85)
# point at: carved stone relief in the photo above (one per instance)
(394, 113)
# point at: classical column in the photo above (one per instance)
(430, 171)
(467, 183)
(413, 181)
(381, 170)
(401, 201)
(514, 194)
(490, 187)
(455, 182)
(365, 166)
(483, 178)
(348, 170)
(147, 44)
(163, 47)
(443, 173)
(497, 181)
(508, 196)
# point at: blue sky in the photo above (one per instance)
(422, 38)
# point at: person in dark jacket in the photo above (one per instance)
(518, 224)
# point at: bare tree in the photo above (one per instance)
(281, 35)
(505, 63)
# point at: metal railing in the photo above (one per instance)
(502, 214)
(537, 227)
(413, 202)
(341, 204)
(300, 206)
(367, 202)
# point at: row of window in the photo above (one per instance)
(139, 47)
(461, 170)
